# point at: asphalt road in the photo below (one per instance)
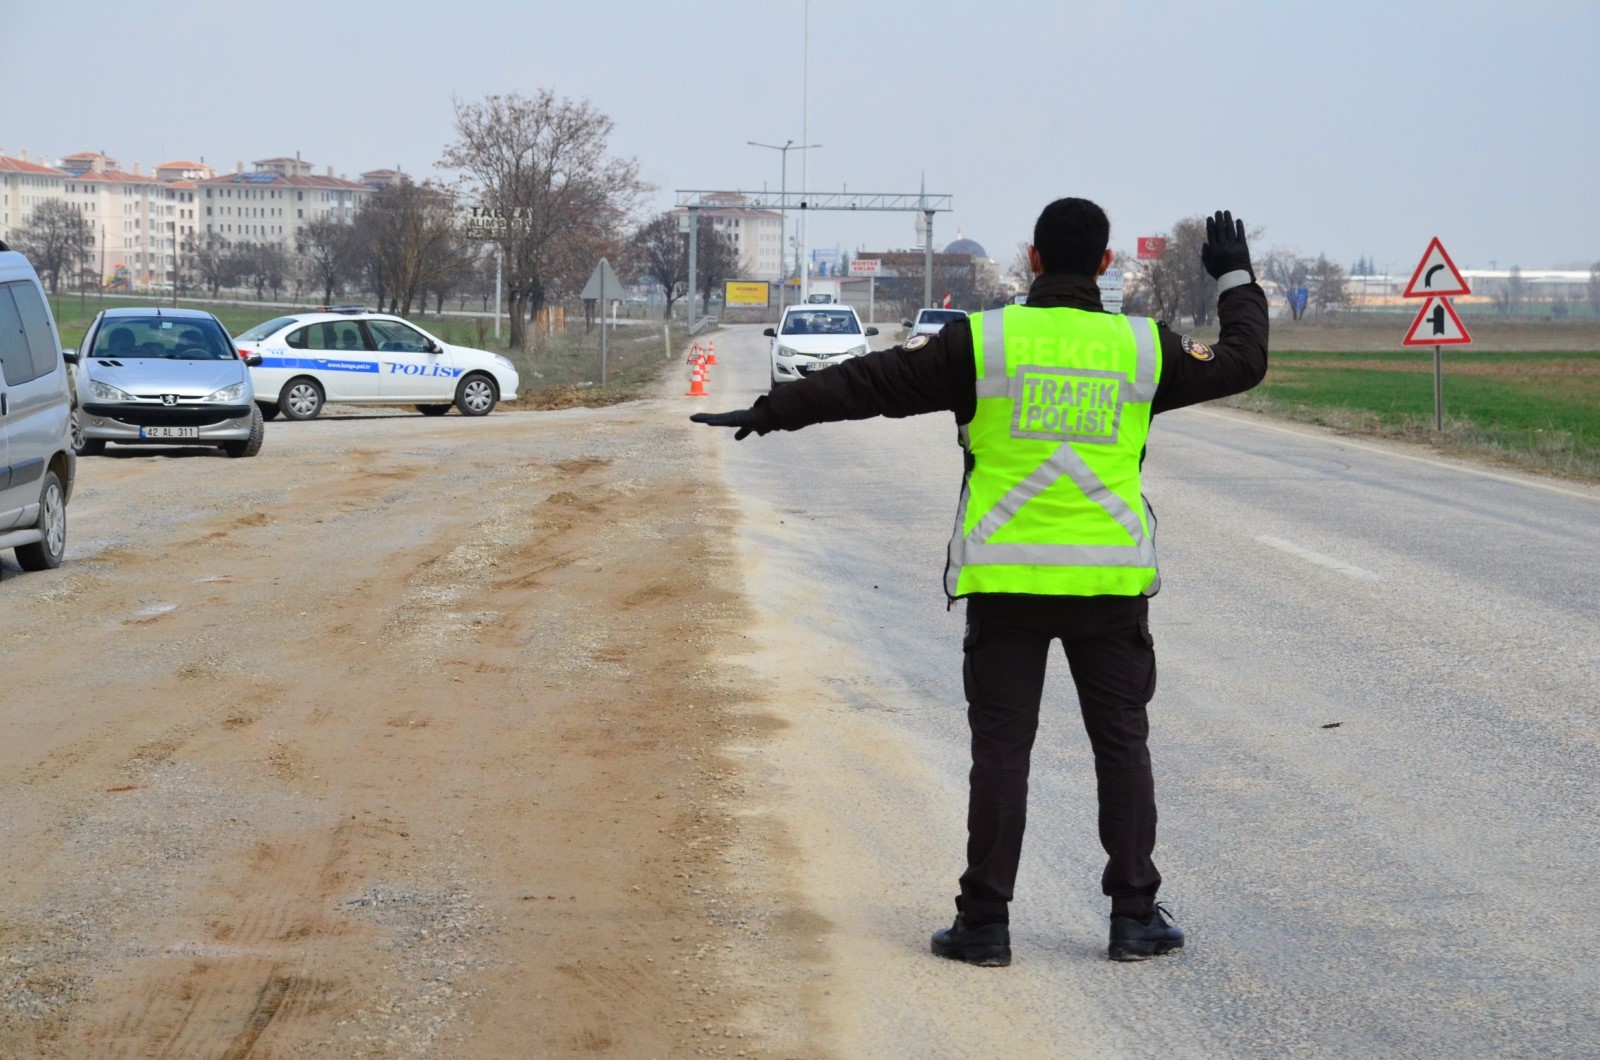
(1375, 738)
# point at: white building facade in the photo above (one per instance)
(272, 202)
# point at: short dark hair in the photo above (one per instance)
(1071, 236)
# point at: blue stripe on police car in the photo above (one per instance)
(319, 364)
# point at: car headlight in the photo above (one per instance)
(107, 392)
(858, 351)
(784, 351)
(227, 394)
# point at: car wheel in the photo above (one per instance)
(251, 445)
(46, 554)
(477, 395)
(433, 410)
(75, 422)
(301, 398)
(269, 411)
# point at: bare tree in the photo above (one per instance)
(716, 260)
(264, 265)
(1289, 271)
(56, 239)
(1020, 271)
(327, 248)
(212, 258)
(407, 233)
(1179, 281)
(1328, 289)
(546, 162)
(1516, 290)
(658, 251)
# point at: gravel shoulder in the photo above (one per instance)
(409, 737)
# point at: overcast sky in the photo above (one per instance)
(1351, 128)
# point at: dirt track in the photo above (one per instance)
(401, 739)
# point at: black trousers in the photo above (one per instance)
(1112, 656)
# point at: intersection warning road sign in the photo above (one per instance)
(1437, 325)
(1436, 275)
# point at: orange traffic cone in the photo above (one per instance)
(697, 381)
(711, 355)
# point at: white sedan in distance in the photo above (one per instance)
(809, 338)
(360, 358)
(931, 321)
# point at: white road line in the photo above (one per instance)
(1347, 569)
(1344, 440)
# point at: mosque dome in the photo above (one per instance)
(966, 246)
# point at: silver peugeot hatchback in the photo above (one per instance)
(162, 376)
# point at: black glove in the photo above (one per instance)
(744, 419)
(1225, 249)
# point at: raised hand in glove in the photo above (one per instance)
(1225, 249)
(744, 419)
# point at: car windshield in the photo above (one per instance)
(168, 338)
(938, 316)
(821, 322)
(261, 331)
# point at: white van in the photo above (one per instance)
(37, 464)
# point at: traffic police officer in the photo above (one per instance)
(1054, 539)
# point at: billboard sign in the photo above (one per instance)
(746, 294)
(493, 222)
(865, 266)
(1151, 247)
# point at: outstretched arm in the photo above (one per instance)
(935, 376)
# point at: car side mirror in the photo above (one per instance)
(871, 331)
(905, 323)
(70, 356)
(253, 361)
(770, 333)
(434, 347)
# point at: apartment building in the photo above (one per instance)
(138, 221)
(272, 202)
(756, 234)
(24, 185)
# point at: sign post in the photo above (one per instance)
(599, 280)
(868, 267)
(494, 222)
(1111, 291)
(1436, 279)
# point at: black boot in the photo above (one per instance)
(988, 946)
(1139, 940)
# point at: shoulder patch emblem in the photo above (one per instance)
(915, 342)
(1197, 349)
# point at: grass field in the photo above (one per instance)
(1535, 410)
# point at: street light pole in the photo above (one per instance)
(805, 134)
(783, 196)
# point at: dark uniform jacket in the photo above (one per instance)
(941, 376)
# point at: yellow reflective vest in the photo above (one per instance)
(1051, 502)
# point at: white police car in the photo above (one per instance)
(360, 358)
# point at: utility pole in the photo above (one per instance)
(783, 196)
(805, 169)
(694, 250)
